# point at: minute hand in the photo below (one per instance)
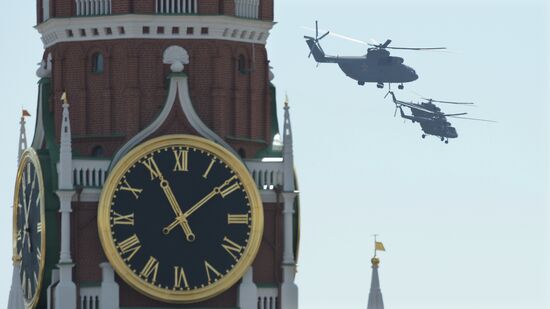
(205, 199)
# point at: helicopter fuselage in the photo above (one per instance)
(377, 66)
(432, 124)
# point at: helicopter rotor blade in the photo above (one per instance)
(388, 41)
(418, 107)
(316, 29)
(476, 119)
(454, 115)
(449, 102)
(324, 35)
(373, 42)
(417, 48)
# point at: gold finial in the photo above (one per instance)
(375, 261)
(64, 98)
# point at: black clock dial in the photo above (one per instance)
(180, 219)
(29, 227)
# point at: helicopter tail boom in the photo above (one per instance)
(316, 50)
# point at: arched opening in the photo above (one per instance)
(242, 153)
(241, 64)
(98, 63)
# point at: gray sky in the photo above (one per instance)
(466, 225)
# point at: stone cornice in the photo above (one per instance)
(133, 26)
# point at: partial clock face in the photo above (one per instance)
(29, 226)
(180, 219)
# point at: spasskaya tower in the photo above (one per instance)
(179, 90)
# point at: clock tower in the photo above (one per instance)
(164, 179)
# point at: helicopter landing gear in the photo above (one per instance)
(423, 135)
(400, 87)
(446, 141)
(361, 83)
(442, 138)
(380, 85)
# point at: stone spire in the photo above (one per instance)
(288, 155)
(22, 134)
(65, 291)
(65, 149)
(289, 289)
(375, 294)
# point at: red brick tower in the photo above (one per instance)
(132, 70)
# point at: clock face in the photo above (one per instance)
(180, 219)
(29, 226)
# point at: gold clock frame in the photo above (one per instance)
(109, 247)
(30, 156)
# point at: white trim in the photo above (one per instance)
(114, 27)
(178, 85)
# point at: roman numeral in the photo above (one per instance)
(231, 247)
(126, 187)
(38, 254)
(210, 269)
(229, 189)
(29, 288)
(24, 283)
(151, 165)
(237, 219)
(181, 160)
(19, 235)
(150, 270)
(205, 175)
(39, 227)
(28, 174)
(130, 245)
(179, 276)
(123, 219)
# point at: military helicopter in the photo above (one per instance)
(377, 66)
(430, 117)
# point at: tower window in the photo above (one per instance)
(241, 64)
(242, 153)
(98, 63)
(97, 151)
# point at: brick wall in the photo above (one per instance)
(108, 109)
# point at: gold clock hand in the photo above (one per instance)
(205, 199)
(177, 210)
(195, 207)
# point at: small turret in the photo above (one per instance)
(22, 134)
(375, 294)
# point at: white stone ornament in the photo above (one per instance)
(176, 56)
(45, 67)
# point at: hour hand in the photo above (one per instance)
(184, 224)
(180, 219)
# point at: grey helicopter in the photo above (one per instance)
(430, 117)
(377, 66)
